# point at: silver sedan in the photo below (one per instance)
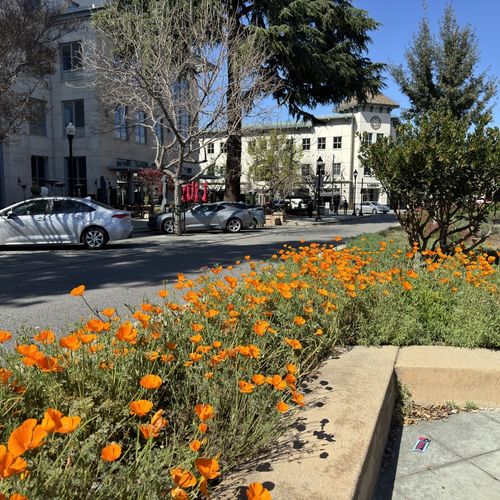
(63, 220)
(205, 217)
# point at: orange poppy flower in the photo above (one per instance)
(204, 411)
(148, 431)
(17, 496)
(260, 327)
(140, 407)
(291, 368)
(211, 313)
(203, 428)
(45, 337)
(54, 421)
(96, 325)
(197, 327)
(196, 338)
(71, 342)
(4, 375)
(4, 336)
(158, 421)
(282, 407)
(108, 312)
(27, 436)
(407, 286)
(9, 464)
(87, 338)
(27, 350)
(278, 383)
(299, 321)
(207, 467)
(77, 291)
(183, 478)
(338, 238)
(151, 381)
(245, 387)
(195, 445)
(298, 398)
(45, 363)
(258, 379)
(111, 452)
(68, 425)
(293, 343)
(126, 333)
(179, 494)
(412, 274)
(208, 375)
(163, 293)
(256, 491)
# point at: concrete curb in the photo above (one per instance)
(334, 448)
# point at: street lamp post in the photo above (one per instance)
(70, 133)
(355, 175)
(361, 202)
(319, 167)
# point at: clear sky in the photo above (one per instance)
(399, 21)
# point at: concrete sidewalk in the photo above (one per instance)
(461, 462)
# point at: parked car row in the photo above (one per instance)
(228, 216)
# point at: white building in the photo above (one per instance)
(337, 142)
(109, 147)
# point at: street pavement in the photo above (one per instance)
(462, 461)
(35, 281)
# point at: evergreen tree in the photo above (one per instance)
(441, 72)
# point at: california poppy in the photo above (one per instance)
(207, 467)
(77, 291)
(182, 478)
(195, 445)
(260, 327)
(71, 342)
(203, 428)
(282, 407)
(27, 436)
(179, 494)
(4, 336)
(111, 452)
(140, 407)
(10, 464)
(151, 381)
(258, 379)
(126, 333)
(407, 286)
(245, 387)
(299, 321)
(256, 491)
(204, 411)
(45, 337)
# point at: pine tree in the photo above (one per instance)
(441, 72)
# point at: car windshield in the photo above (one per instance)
(99, 203)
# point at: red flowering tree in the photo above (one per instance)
(151, 179)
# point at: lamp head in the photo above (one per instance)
(70, 130)
(355, 174)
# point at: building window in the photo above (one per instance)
(71, 61)
(77, 176)
(337, 169)
(321, 142)
(223, 147)
(305, 170)
(367, 138)
(74, 112)
(306, 144)
(38, 121)
(379, 137)
(211, 148)
(121, 131)
(38, 170)
(337, 142)
(140, 129)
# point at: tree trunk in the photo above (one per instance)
(177, 207)
(234, 115)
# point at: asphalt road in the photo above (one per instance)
(35, 281)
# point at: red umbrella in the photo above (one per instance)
(183, 194)
(196, 192)
(204, 197)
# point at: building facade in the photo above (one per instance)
(109, 146)
(336, 143)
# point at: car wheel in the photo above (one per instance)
(374, 211)
(94, 238)
(168, 226)
(233, 225)
(254, 224)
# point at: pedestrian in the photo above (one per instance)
(345, 205)
(310, 206)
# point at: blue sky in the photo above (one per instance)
(399, 21)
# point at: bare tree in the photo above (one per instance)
(166, 64)
(28, 31)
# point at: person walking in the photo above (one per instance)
(310, 206)
(345, 205)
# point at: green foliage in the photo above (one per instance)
(275, 161)
(442, 74)
(437, 169)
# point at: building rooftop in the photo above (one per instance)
(374, 100)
